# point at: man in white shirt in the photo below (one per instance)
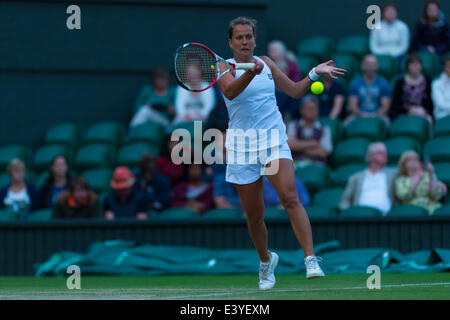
(440, 92)
(372, 187)
(392, 38)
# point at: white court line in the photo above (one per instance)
(311, 289)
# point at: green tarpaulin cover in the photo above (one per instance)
(126, 258)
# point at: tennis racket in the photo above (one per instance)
(197, 66)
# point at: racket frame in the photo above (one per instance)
(234, 66)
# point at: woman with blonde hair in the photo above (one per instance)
(19, 196)
(417, 184)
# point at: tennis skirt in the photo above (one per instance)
(247, 167)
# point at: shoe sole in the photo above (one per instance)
(314, 276)
(276, 264)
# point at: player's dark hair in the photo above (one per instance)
(242, 20)
(425, 7)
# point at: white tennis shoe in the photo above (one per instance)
(266, 272)
(313, 269)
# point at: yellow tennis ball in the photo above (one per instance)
(212, 66)
(317, 87)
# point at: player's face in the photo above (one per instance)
(243, 42)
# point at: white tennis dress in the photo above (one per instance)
(256, 132)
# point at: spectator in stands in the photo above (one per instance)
(286, 62)
(417, 184)
(392, 38)
(125, 201)
(189, 105)
(309, 140)
(412, 93)
(440, 92)
(432, 32)
(193, 193)
(370, 94)
(332, 99)
(77, 202)
(19, 195)
(165, 164)
(57, 182)
(225, 194)
(271, 198)
(156, 101)
(155, 184)
(373, 187)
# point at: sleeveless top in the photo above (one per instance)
(255, 122)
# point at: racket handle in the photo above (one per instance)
(244, 66)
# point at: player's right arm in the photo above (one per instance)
(232, 87)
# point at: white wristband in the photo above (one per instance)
(313, 75)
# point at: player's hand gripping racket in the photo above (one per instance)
(197, 66)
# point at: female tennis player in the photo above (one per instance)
(250, 99)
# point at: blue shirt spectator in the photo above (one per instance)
(331, 101)
(271, 197)
(370, 94)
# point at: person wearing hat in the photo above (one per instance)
(125, 201)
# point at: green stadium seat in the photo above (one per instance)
(129, 155)
(357, 45)
(442, 211)
(40, 215)
(348, 62)
(306, 63)
(275, 212)
(315, 177)
(442, 127)
(318, 46)
(179, 213)
(4, 179)
(411, 126)
(442, 171)
(94, 156)
(387, 66)
(360, 211)
(7, 153)
(105, 132)
(335, 126)
(397, 145)
(438, 149)
(373, 129)
(150, 132)
(7, 215)
(223, 213)
(320, 211)
(43, 157)
(340, 176)
(64, 133)
(350, 151)
(98, 179)
(407, 210)
(328, 197)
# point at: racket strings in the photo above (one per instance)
(195, 67)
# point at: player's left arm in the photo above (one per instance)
(297, 89)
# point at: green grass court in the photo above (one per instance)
(235, 287)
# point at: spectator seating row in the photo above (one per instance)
(348, 53)
(314, 211)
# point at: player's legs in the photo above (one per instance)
(284, 183)
(251, 196)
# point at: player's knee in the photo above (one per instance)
(255, 219)
(290, 200)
